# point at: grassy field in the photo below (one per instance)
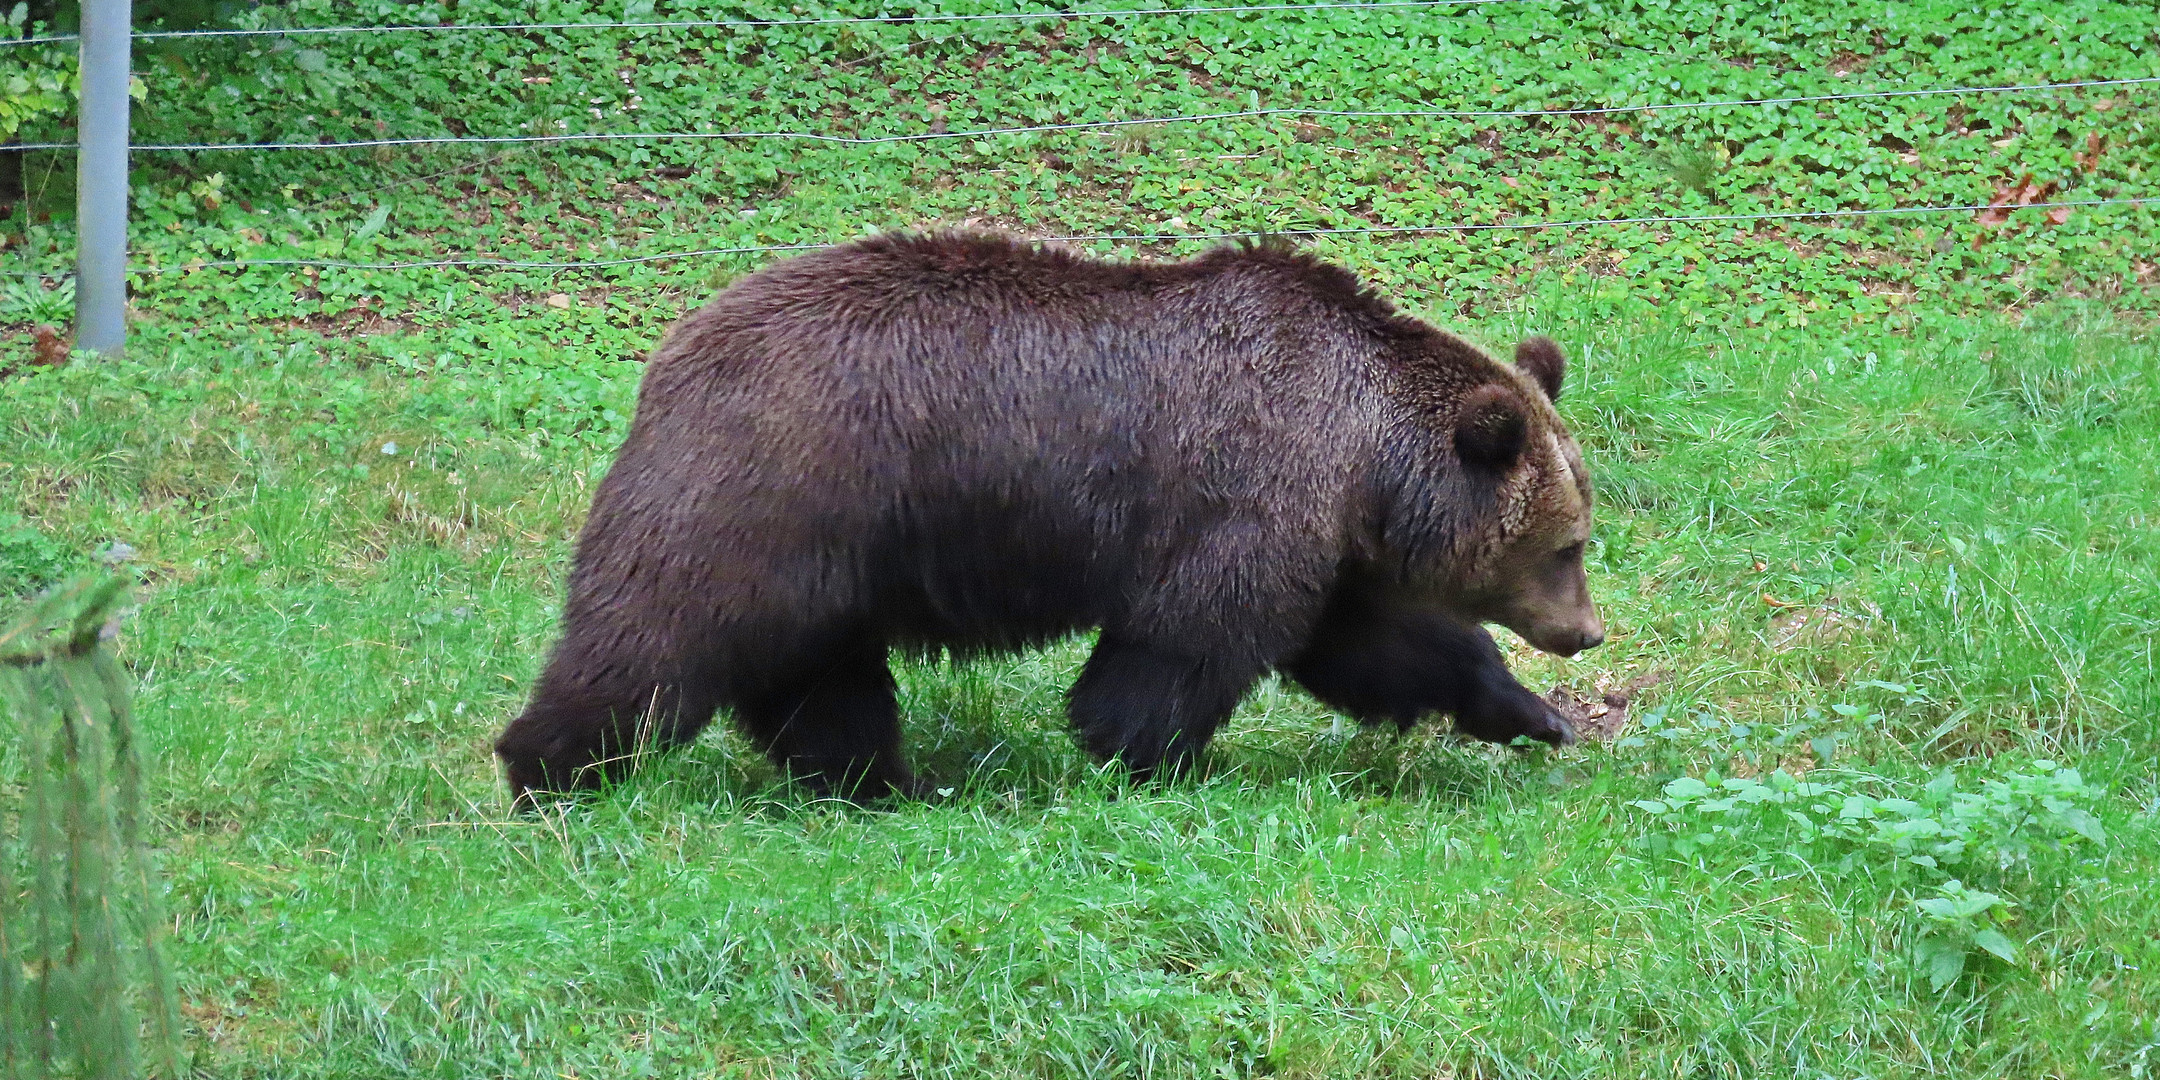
(1878, 561)
(1879, 550)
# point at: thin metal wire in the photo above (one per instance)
(752, 24)
(1164, 238)
(1105, 125)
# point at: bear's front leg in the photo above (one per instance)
(1153, 708)
(1377, 665)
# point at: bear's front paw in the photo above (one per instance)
(1514, 713)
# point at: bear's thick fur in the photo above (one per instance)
(1231, 464)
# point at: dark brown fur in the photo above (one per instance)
(1239, 462)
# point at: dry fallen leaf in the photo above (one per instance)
(2089, 158)
(51, 349)
(2009, 195)
(2012, 194)
(559, 300)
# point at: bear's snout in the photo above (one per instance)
(1567, 640)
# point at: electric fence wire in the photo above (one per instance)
(755, 24)
(1105, 125)
(1163, 238)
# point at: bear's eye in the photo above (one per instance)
(1571, 552)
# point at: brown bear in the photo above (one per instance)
(1240, 462)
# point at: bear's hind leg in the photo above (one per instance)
(835, 727)
(576, 736)
(1150, 708)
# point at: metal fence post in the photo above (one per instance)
(101, 189)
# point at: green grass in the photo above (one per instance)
(1849, 509)
(330, 635)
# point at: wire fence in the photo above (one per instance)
(1299, 113)
(1166, 238)
(1291, 112)
(758, 24)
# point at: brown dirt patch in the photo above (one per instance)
(1801, 626)
(1601, 716)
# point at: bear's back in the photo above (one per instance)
(991, 302)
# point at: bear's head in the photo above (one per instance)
(1503, 513)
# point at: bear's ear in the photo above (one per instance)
(1491, 428)
(1540, 358)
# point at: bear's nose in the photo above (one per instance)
(1591, 639)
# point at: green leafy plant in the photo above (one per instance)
(1942, 828)
(27, 299)
(29, 558)
(37, 82)
(1679, 737)
(1957, 922)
